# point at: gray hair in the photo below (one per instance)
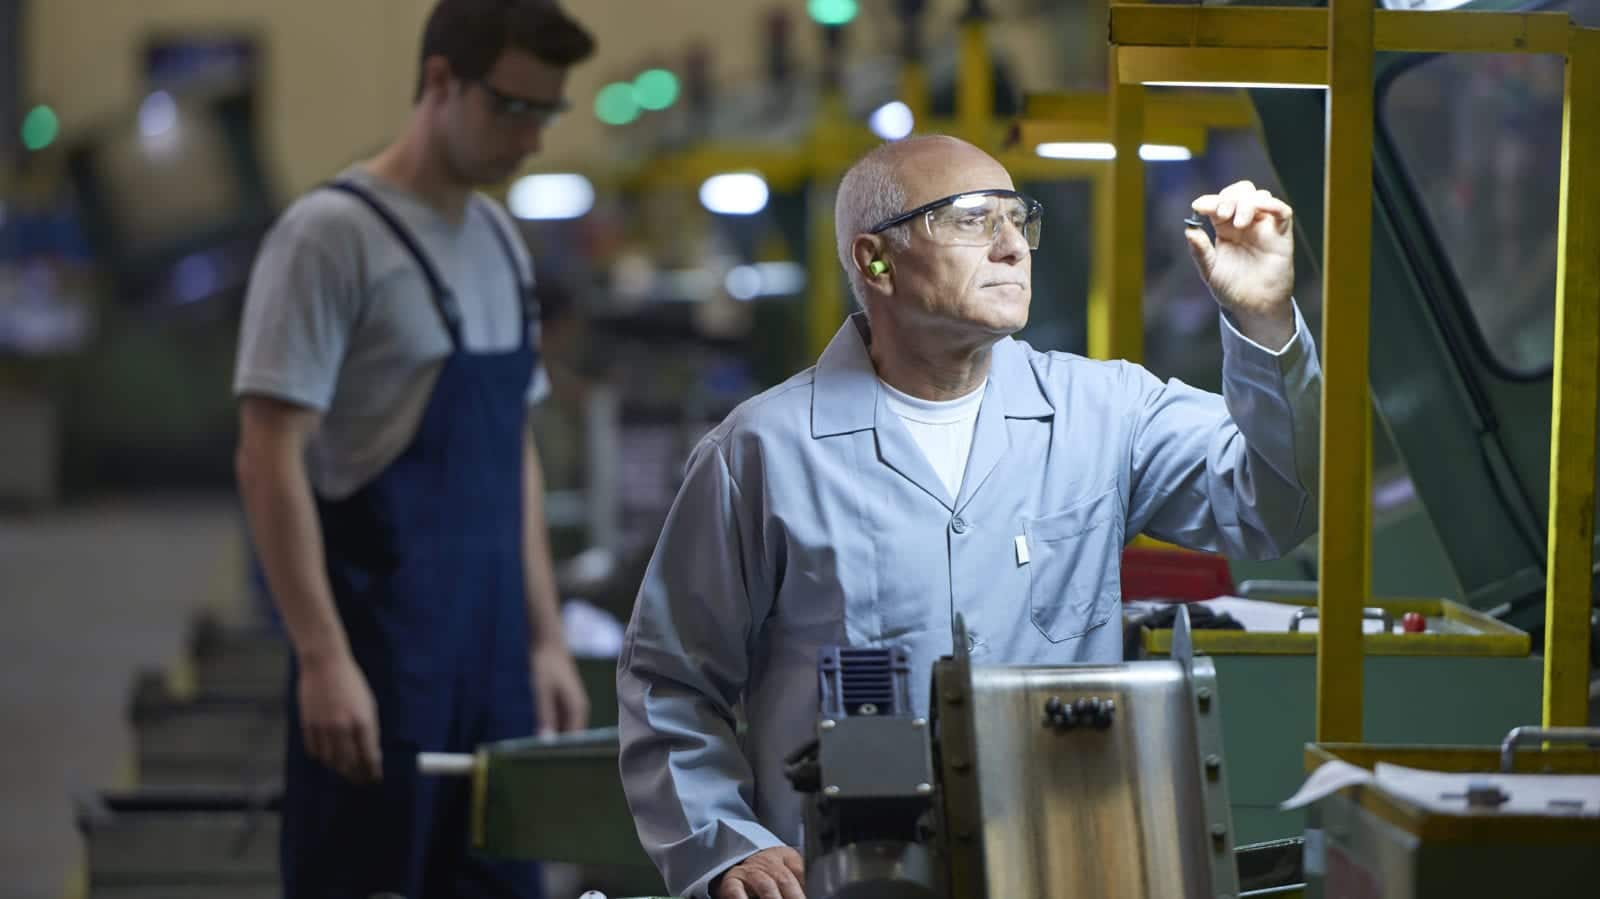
(869, 193)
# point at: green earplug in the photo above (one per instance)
(877, 267)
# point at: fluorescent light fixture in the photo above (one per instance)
(1076, 150)
(892, 121)
(737, 193)
(1104, 151)
(764, 279)
(552, 196)
(1164, 153)
(158, 115)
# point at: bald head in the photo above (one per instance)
(895, 177)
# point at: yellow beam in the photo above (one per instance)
(1033, 132)
(1124, 308)
(1103, 256)
(1422, 31)
(831, 151)
(1406, 31)
(914, 93)
(1162, 109)
(1345, 547)
(1220, 65)
(825, 296)
(975, 84)
(1193, 26)
(783, 169)
(1572, 422)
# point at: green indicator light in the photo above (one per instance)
(832, 12)
(655, 89)
(40, 128)
(615, 105)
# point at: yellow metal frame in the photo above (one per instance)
(1487, 830)
(1490, 637)
(1233, 45)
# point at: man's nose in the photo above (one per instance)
(1009, 245)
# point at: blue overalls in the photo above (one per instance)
(426, 568)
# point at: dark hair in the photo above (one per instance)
(471, 35)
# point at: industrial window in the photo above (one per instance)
(1479, 137)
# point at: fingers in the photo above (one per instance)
(351, 749)
(545, 702)
(769, 884)
(371, 756)
(732, 887)
(1240, 204)
(776, 873)
(1201, 250)
(1278, 209)
(789, 884)
(793, 861)
(576, 708)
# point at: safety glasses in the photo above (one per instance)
(974, 219)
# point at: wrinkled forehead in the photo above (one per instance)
(937, 171)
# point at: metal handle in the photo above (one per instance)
(1521, 735)
(1370, 614)
(447, 764)
(1267, 588)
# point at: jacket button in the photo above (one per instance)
(959, 525)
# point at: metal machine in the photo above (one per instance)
(1048, 782)
(1436, 821)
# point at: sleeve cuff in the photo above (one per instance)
(264, 385)
(1239, 348)
(1299, 326)
(759, 838)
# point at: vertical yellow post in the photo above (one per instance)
(1573, 387)
(825, 307)
(1102, 256)
(1345, 546)
(830, 147)
(1124, 314)
(914, 93)
(975, 83)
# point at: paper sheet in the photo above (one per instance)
(1554, 795)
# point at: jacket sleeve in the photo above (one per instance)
(682, 673)
(1236, 473)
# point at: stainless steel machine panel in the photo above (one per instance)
(1114, 812)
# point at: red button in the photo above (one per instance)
(1414, 623)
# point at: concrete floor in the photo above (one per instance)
(90, 596)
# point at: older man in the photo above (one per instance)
(930, 465)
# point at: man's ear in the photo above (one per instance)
(867, 255)
(436, 76)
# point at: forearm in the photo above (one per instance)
(1272, 330)
(288, 538)
(544, 606)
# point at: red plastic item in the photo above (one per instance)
(1413, 623)
(1174, 574)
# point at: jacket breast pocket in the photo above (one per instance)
(1075, 567)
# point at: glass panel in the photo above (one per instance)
(1480, 139)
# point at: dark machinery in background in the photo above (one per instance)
(1036, 781)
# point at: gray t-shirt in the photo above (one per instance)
(340, 318)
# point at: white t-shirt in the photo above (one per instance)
(943, 428)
